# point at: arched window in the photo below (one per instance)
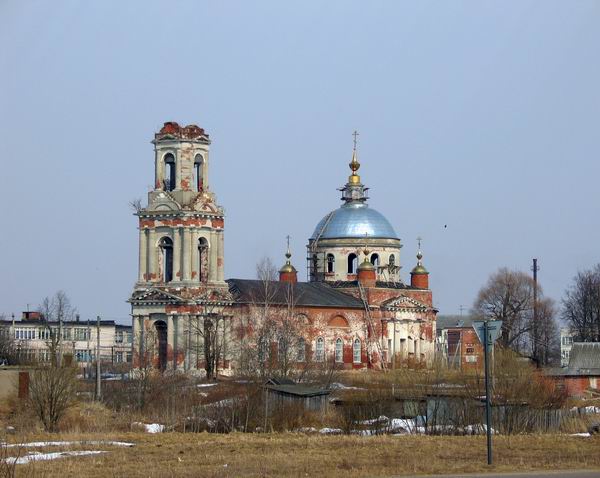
(320, 350)
(166, 248)
(352, 263)
(262, 350)
(330, 263)
(339, 350)
(282, 350)
(392, 261)
(202, 259)
(375, 259)
(169, 176)
(198, 179)
(301, 352)
(356, 351)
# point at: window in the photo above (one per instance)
(169, 177)
(198, 179)
(356, 351)
(339, 350)
(129, 337)
(43, 333)
(119, 337)
(320, 350)
(281, 350)
(166, 246)
(567, 340)
(202, 259)
(119, 357)
(129, 357)
(262, 350)
(352, 263)
(392, 260)
(25, 334)
(301, 353)
(375, 259)
(67, 333)
(44, 355)
(83, 355)
(330, 263)
(81, 333)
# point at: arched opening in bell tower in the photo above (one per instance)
(375, 259)
(169, 176)
(161, 338)
(202, 259)
(352, 263)
(198, 178)
(166, 248)
(330, 263)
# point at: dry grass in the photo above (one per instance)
(177, 454)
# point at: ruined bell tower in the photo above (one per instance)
(181, 251)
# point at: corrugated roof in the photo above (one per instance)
(453, 321)
(585, 355)
(316, 294)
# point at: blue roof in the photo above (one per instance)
(355, 219)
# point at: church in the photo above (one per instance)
(354, 312)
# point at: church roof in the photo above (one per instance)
(307, 294)
(354, 220)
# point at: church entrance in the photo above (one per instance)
(161, 334)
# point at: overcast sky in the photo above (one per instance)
(480, 116)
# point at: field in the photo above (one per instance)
(288, 454)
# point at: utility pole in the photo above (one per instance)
(536, 357)
(488, 405)
(98, 379)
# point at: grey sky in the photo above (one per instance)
(482, 116)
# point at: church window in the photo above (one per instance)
(282, 350)
(198, 179)
(339, 350)
(356, 351)
(375, 259)
(320, 350)
(166, 247)
(330, 263)
(352, 263)
(262, 350)
(392, 261)
(301, 353)
(169, 176)
(202, 259)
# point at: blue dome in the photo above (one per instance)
(354, 219)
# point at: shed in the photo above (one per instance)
(312, 398)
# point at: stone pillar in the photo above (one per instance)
(177, 271)
(170, 330)
(141, 350)
(187, 239)
(221, 257)
(194, 254)
(212, 261)
(175, 340)
(142, 255)
(153, 253)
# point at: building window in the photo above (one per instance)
(262, 350)
(202, 259)
(119, 357)
(81, 333)
(356, 351)
(375, 259)
(301, 353)
(25, 334)
(339, 350)
(567, 340)
(169, 176)
(119, 337)
(198, 179)
(330, 263)
(83, 355)
(43, 333)
(392, 261)
(281, 350)
(129, 357)
(320, 350)
(352, 263)
(166, 247)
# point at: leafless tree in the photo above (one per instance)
(508, 296)
(581, 305)
(136, 205)
(56, 309)
(51, 392)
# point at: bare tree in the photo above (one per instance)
(51, 392)
(508, 296)
(581, 305)
(136, 205)
(56, 309)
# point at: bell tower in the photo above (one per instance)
(180, 280)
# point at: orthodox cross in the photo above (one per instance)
(355, 134)
(419, 239)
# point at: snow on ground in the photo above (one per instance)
(580, 435)
(203, 385)
(330, 431)
(341, 386)
(151, 427)
(37, 456)
(589, 409)
(41, 444)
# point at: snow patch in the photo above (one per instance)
(37, 456)
(41, 444)
(151, 427)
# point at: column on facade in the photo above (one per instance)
(194, 255)
(158, 171)
(212, 262)
(187, 247)
(177, 274)
(394, 342)
(418, 346)
(153, 255)
(221, 256)
(170, 337)
(176, 341)
(142, 338)
(142, 255)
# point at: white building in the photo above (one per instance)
(566, 343)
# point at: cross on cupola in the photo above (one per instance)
(354, 190)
